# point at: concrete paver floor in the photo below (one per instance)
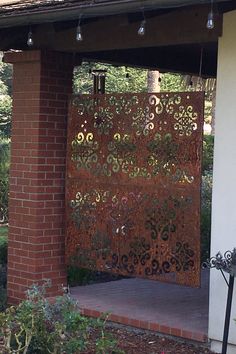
(163, 307)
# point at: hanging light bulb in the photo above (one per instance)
(30, 41)
(79, 36)
(210, 18)
(141, 30)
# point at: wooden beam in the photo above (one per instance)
(183, 59)
(182, 26)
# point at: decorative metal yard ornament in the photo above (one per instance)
(133, 184)
(227, 264)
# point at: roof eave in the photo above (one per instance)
(85, 9)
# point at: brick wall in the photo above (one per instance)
(41, 85)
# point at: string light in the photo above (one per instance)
(79, 36)
(210, 19)
(30, 41)
(142, 28)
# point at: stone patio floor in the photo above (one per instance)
(166, 308)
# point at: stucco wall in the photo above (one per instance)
(224, 180)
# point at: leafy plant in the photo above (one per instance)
(3, 270)
(3, 250)
(39, 326)
(4, 182)
(206, 215)
(208, 150)
(79, 276)
(3, 300)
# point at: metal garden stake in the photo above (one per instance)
(226, 263)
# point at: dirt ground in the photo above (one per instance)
(135, 341)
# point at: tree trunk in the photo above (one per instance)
(153, 83)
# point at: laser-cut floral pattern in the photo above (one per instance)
(133, 185)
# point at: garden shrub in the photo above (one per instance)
(206, 215)
(79, 276)
(38, 326)
(3, 250)
(3, 271)
(207, 154)
(206, 195)
(4, 191)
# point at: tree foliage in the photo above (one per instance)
(5, 127)
(5, 100)
(118, 78)
(122, 79)
(172, 82)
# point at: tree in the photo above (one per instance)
(118, 78)
(123, 79)
(5, 126)
(5, 100)
(153, 84)
(172, 82)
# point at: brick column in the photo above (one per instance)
(42, 83)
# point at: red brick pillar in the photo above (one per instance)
(41, 84)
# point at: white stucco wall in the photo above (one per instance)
(224, 180)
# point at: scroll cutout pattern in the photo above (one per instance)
(133, 185)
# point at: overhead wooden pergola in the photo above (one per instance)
(176, 31)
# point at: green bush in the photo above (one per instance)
(207, 154)
(4, 191)
(3, 250)
(206, 195)
(4, 180)
(38, 326)
(3, 297)
(206, 215)
(79, 276)
(3, 269)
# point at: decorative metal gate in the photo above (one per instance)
(133, 185)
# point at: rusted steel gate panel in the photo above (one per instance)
(133, 185)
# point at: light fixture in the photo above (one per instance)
(210, 18)
(30, 41)
(79, 36)
(141, 30)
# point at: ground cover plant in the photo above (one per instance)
(38, 326)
